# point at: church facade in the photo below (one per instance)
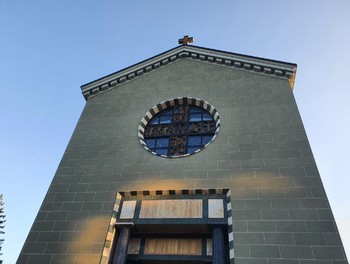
(192, 156)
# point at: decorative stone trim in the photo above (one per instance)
(167, 104)
(111, 230)
(248, 63)
(230, 227)
(175, 192)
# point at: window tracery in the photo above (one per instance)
(179, 127)
(180, 130)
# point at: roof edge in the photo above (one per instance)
(264, 66)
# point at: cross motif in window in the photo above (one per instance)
(180, 130)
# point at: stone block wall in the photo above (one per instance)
(279, 207)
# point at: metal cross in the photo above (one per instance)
(186, 40)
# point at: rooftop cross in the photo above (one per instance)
(186, 40)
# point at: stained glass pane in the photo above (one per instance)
(167, 112)
(162, 151)
(195, 110)
(165, 119)
(207, 117)
(206, 139)
(194, 141)
(195, 117)
(162, 142)
(151, 143)
(191, 150)
(154, 121)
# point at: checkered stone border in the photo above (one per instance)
(111, 229)
(230, 227)
(170, 103)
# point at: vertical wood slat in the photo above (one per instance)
(173, 246)
(184, 208)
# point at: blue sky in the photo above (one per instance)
(48, 49)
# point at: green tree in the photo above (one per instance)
(2, 222)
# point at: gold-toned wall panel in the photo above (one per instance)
(173, 246)
(184, 208)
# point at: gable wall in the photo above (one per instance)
(280, 210)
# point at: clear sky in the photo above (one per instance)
(48, 49)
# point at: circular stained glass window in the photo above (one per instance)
(179, 127)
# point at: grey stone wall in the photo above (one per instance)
(280, 209)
